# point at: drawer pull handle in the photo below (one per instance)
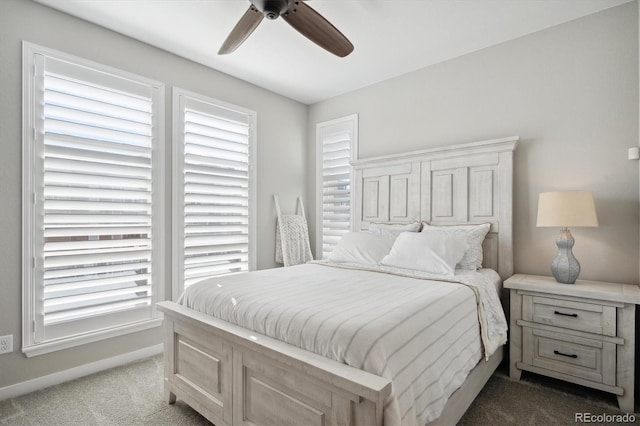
(566, 315)
(567, 355)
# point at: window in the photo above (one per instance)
(337, 145)
(214, 151)
(92, 197)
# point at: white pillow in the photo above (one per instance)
(473, 235)
(394, 229)
(361, 247)
(436, 253)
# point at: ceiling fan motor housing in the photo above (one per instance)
(272, 9)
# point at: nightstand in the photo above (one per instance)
(582, 333)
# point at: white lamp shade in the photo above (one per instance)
(566, 208)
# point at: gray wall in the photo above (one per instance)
(281, 157)
(570, 92)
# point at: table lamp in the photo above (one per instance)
(564, 209)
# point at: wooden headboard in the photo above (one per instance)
(457, 184)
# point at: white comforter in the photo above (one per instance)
(424, 335)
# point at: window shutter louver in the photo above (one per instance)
(94, 243)
(215, 197)
(336, 140)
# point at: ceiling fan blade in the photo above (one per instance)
(243, 29)
(312, 25)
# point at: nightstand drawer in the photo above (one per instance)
(575, 315)
(588, 359)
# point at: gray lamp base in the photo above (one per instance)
(565, 267)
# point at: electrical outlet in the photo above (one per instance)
(6, 344)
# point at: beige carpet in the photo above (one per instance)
(538, 400)
(132, 395)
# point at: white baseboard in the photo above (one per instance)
(29, 386)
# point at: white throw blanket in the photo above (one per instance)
(423, 335)
(292, 240)
(292, 236)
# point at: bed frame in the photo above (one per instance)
(233, 376)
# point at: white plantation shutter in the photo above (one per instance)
(94, 224)
(337, 142)
(213, 188)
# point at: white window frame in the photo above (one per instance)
(32, 54)
(349, 122)
(179, 97)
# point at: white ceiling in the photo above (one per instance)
(391, 37)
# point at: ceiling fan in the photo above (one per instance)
(303, 18)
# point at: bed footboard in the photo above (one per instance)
(234, 377)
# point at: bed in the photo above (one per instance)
(230, 370)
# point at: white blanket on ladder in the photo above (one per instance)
(292, 236)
